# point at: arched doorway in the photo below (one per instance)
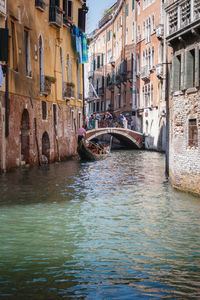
(46, 145)
(25, 132)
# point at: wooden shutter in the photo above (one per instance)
(182, 70)
(189, 65)
(175, 78)
(4, 44)
(197, 66)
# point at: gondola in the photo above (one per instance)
(92, 151)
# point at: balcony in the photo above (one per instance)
(40, 4)
(55, 16)
(101, 91)
(80, 96)
(159, 70)
(90, 74)
(69, 92)
(139, 38)
(45, 86)
(145, 73)
(3, 7)
(183, 18)
(160, 31)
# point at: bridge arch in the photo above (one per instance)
(132, 138)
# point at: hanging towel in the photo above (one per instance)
(1, 76)
(84, 49)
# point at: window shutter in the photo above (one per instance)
(98, 62)
(197, 66)
(188, 70)
(94, 65)
(175, 78)
(133, 4)
(182, 70)
(4, 44)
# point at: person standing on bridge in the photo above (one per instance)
(81, 134)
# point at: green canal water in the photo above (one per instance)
(112, 229)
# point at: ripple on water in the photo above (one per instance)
(108, 229)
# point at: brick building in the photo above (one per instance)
(111, 58)
(183, 37)
(45, 86)
(127, 73)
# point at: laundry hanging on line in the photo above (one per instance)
(1, 76)
(81, 44)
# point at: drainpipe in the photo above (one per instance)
(7, 96)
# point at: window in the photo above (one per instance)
(79, 120)
(133, 4)
(193, 133)
(126, 10)
(44, 110)
(190, 68)
(97, 106)
(126, 35)
(152, 57)
(27, 53)
(41, 65)
(153, 23)
(133, 31)
(69, 10)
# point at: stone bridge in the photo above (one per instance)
(128, 137)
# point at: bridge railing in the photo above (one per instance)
(109, 123)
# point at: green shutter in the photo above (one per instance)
(189, 69)
(182, 70)
(102, 59)
(126, 10)
(197, 66)
(175, 79)
(98, 62)
(133, 4)
(94, 65)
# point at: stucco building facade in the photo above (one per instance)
(45, 86)
(130, 39)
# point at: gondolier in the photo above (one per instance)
(81, 133)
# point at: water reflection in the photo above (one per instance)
(108, 229)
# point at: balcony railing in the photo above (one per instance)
(159, 70)
(40, 4)
(160, 31)
(145, 73)
(90, 74)
(45, 86)
(69, 92)
(181, 14)
(80, 96)
(3, 7)
(55, 16)
(101, 91)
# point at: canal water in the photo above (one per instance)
(112, 229)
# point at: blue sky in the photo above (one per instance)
(96, 9)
